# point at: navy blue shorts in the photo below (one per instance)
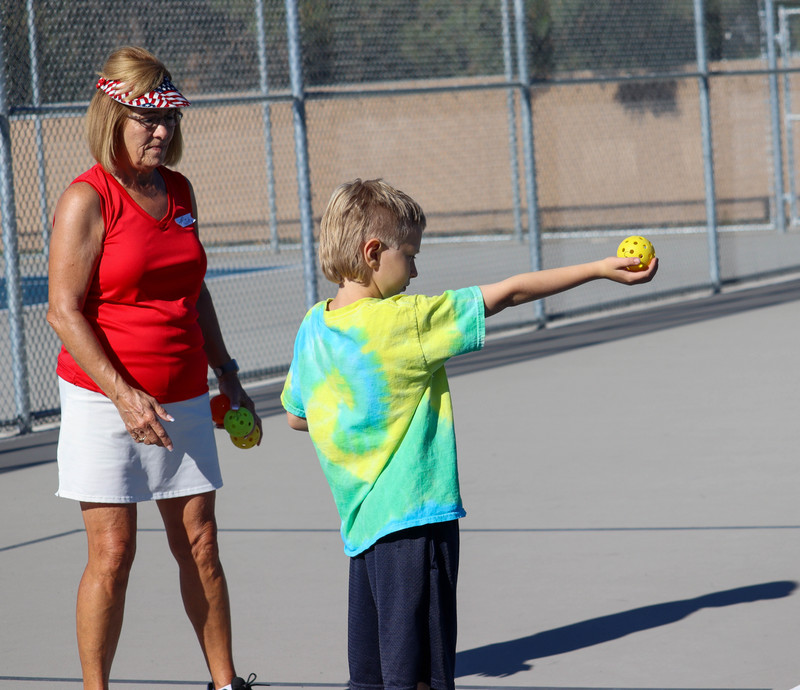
(402, 610)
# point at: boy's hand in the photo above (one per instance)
(616, 269)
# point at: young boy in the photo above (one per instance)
(368, 382)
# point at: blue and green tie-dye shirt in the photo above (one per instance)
(370, 380)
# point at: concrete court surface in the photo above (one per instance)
(631, 485)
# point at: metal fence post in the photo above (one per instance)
(775, 116)
(508, 62)
(526, 112)
(784, 38)
(266, 116)
(37, 125)
(301, 151)
(708, 150)
(11, 258)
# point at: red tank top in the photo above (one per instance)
(142, 298)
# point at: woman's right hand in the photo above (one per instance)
(142, 415)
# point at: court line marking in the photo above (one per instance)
(278, 684)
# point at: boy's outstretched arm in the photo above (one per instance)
(527, 287)
(297, 423)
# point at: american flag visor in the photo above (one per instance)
(165, 96)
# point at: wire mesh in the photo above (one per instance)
(425, 95)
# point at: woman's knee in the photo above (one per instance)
(111, 536)
(197, 546)
(112, 555)
(205, 547)
(192, 529)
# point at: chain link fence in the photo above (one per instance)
(533, 132)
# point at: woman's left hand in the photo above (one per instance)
(230, 386)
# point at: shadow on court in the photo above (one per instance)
(503, 659)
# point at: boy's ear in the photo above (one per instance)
(372, 252)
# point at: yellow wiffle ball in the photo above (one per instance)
(248, 441)
(639, 247)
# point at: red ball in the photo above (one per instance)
(220, 404)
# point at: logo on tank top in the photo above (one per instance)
(185, 221)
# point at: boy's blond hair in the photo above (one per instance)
(141, 72)
(357, 212)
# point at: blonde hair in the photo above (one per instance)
(357, 212)
(141, 72)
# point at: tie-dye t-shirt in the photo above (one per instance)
(370, 380)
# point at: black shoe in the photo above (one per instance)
(239, 683)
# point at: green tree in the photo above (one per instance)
(733, 29)
(13, 34)
(539, 22)
(612, 35)
(454, 39)
(317, 30)
(205, 46)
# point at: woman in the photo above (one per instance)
(139, 331)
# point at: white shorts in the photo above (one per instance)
(99, 462)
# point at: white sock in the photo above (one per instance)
(227, 687)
